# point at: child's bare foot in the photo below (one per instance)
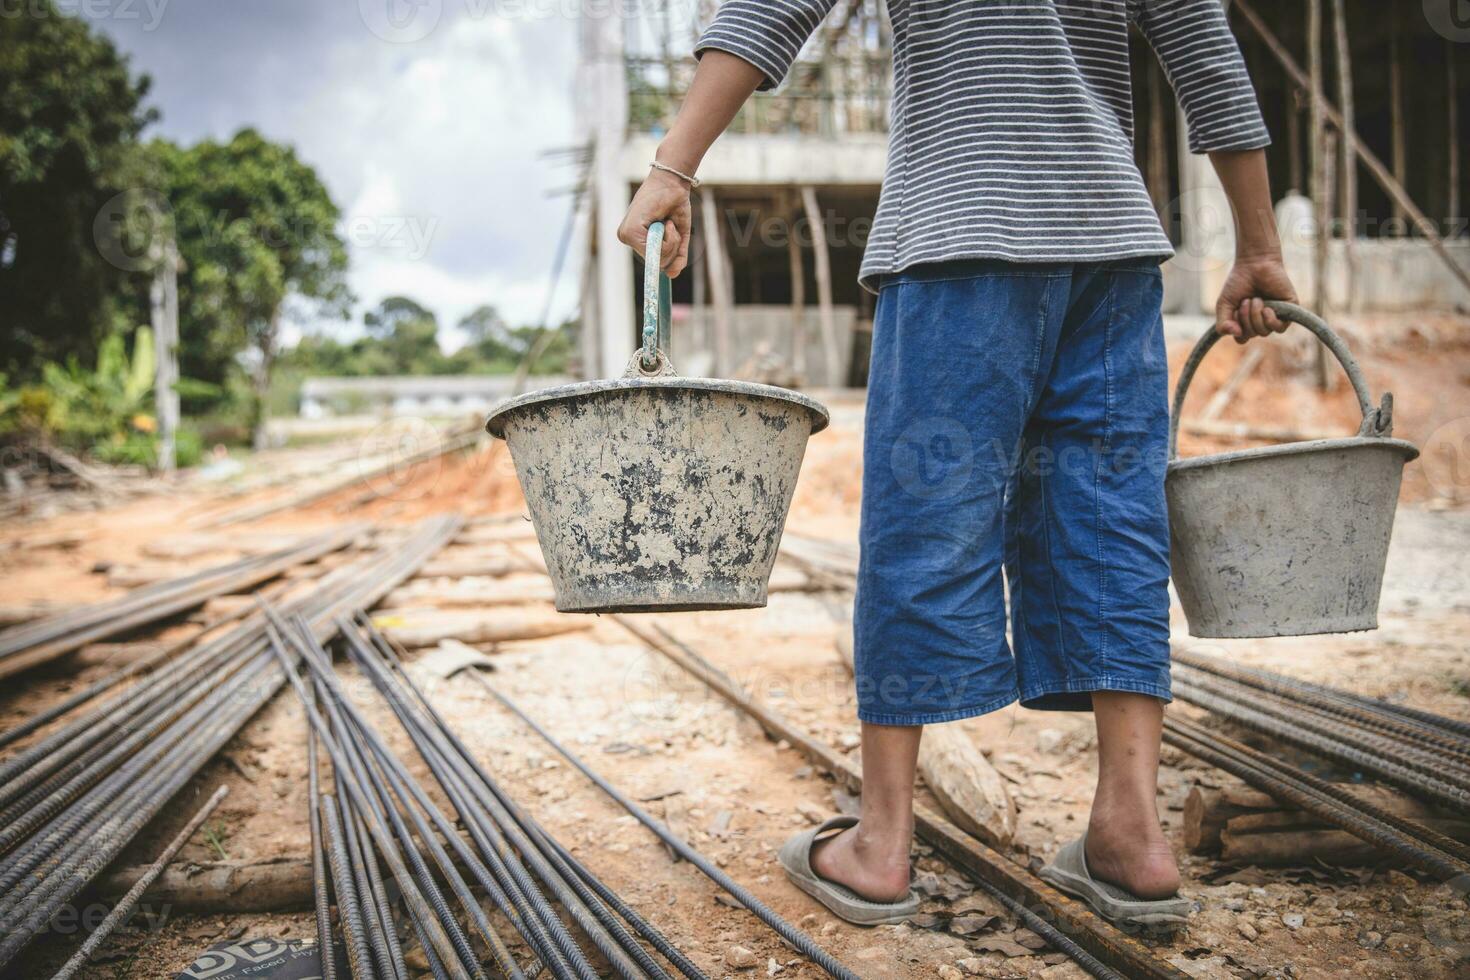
(877, 870)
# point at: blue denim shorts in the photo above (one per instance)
(1016, 442)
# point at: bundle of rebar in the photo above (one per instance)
(72, 799)
(1416, 751)
(378, 814)
(39, 641)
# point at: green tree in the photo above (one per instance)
(408, 336)
(70, 115)
(257, 232)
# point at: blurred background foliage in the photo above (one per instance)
(86, 205)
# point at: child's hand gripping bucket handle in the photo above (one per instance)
(653, 357)
(1376, 421)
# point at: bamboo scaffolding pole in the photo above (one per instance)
(1348, 155)
(1375, 167)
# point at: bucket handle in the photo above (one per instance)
(658, 295)
(1376, 421)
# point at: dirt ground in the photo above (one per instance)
(737, 795)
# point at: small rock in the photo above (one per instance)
(830, 928)
(1401, 880)
(772, 967)
(947, 972)
(972, 965)
(1400, 902)
(1292, 920)
(739, 958)
(1370, 940)
(813, 813)
(1247, 930)
(810, 920)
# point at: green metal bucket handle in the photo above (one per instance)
(658, 298)
(1376, 421)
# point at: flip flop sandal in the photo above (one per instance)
(796, 858)
(1068, 873)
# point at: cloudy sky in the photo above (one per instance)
(427, 119)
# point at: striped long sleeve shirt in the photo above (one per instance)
(1012, 120)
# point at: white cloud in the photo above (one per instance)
(432, 149)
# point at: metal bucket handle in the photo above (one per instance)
(658, 297)
(1377, 422)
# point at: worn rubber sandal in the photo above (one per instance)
(796, 858)
(1068, 873)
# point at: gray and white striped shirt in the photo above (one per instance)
(1012, 121)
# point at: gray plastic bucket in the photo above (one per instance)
(1285, 540)
(651, 492)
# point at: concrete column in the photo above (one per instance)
(1207, 230)
(602, 110)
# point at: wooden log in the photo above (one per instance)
(428, 628)
(1298, 847)
(489, 565)
(1244, 430)
(1274, 839)
(482, 593)
(494, 533)
(17, 613)
(1220, 400)
(1207, 812)
(272, 886)
(969, 790)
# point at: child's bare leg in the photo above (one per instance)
(873, 858)
(1125, 844)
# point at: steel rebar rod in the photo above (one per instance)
(349, 911)
(1235, 759)
(350, 721)
(1446, 792)
(804, 944)
(394, 678)
(526, 906)
(1422, 758)
(443, 749)
(432, 928)
(124, 908)
(60, 858)
(1335, 703)
(1062, 919)
(326, 949)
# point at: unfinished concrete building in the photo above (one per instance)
(789, 192)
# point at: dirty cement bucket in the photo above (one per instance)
(1285, 540)
(652, 492)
